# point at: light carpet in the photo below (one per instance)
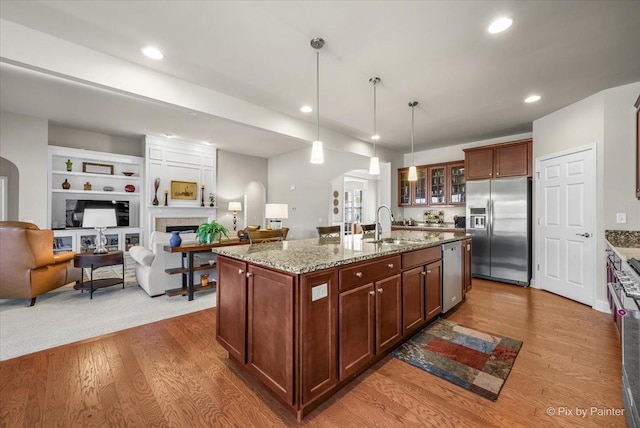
(66, 315)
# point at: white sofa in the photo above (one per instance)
(151, 264)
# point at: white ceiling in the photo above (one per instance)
(470, 84)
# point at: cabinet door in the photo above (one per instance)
(437, 185)
(478, 164)
(433, 289)
(388, 312)
(457, 184)
(405, 187)
(466, 265)
(420, 187)
(231, 314)
(513, 160)
(412, 299)
(355, 323)
(318, 325)
(270, 330)
(638, 148)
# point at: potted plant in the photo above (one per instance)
(210, 232)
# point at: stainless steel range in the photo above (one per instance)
(624, 291)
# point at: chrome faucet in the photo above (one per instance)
(376, 236)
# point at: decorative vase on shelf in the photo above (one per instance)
(69, 164)
(66, 185)
(175, 239)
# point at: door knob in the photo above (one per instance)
(359, 274)
(586, 235)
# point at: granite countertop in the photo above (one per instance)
(429, 226)
(309, 255)
(626, 243)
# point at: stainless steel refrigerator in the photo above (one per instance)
(499, 222)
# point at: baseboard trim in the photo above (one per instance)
(602, 306)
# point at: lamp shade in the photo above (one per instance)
(235, 206)
(317, 155)
(374, 166)
(276, 211)
(96, 217)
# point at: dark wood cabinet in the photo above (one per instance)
(466, 266)
(433, 289)
(355, 320)
(231, 323)
(405, 188)
(388, 313)
(437, 184)
(270, 330)
(637, 105)
(513, 159)
(318, 328)
(413, 314)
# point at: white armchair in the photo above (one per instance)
(151, 264)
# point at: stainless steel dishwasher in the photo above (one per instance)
(451, 275)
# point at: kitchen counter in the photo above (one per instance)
(427, 227)
(309, 255)
(306, 317)
(626, 243)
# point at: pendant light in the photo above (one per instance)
(374, 164)
(317, 154)
(413, 173)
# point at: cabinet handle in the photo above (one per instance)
(428, 271)
(359, 274)
(240, 271)
(424, 273)
(390, 265)
(372, 292)
(249, 274)
(380, 290)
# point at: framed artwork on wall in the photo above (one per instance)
(184, 190)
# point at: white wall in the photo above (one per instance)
(311, 200)
(619, 160)
(235, 172)
(607, 120)
(78, 139)
(446, 154)
(23, 141)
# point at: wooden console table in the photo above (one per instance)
(188, 287)
(95, 261)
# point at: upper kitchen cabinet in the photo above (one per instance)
(437, 184)
(499, 161)
(638, 148)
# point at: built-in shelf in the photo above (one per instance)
(95, 192)
(90, 174)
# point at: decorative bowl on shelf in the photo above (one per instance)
(130, 188)
(108, 188)
(128, 174)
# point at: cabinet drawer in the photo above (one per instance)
(365, 273)
(421, 257)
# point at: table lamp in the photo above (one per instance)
(99, 219)
(276, 212)
(235, 207)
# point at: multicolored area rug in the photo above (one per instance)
(477, 361)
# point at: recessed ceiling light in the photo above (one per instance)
(500, 24)
(375, 137)
(532, 98)
(152, 52)
(306, 109)
(208, 143)
(168, 135)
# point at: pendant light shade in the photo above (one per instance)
(374, 163)
(317, 152)
(413, 173)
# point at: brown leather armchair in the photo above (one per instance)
(28, 267)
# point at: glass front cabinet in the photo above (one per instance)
(438, 184)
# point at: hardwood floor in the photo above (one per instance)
(172, 373)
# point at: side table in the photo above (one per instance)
(95, 261)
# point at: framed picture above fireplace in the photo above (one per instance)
(184, 190)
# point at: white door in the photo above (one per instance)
(565, 217)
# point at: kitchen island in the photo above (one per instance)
(305, 317)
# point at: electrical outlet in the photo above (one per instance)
(319, 292)
(621, 217)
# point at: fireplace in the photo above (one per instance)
(171, 224)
